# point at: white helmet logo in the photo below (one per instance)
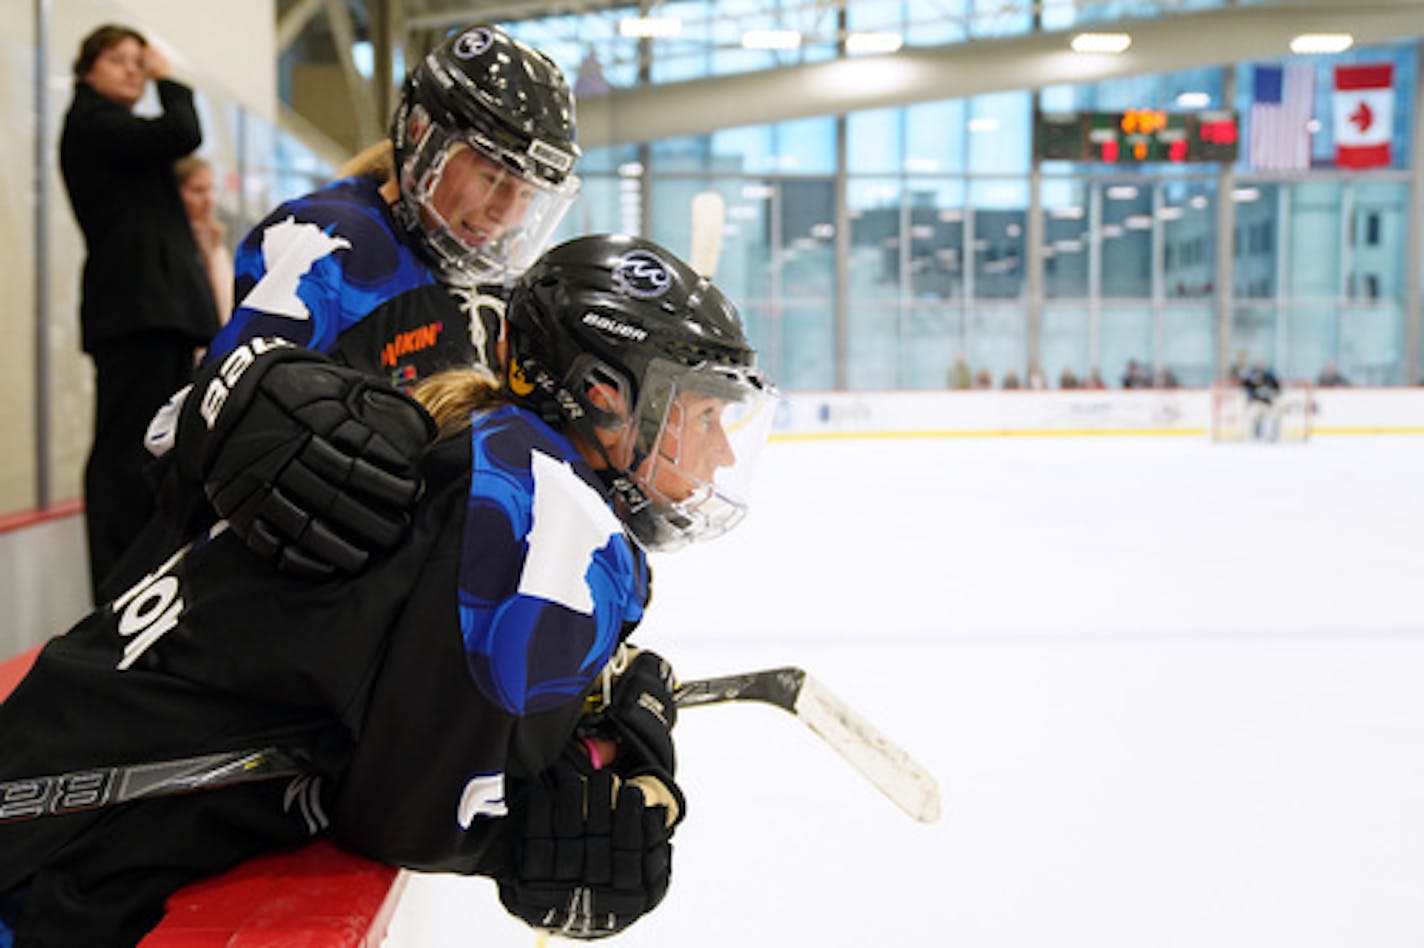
(472, 43)
(643, 274)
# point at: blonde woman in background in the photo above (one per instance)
(198, 188)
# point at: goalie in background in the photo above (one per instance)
(438, 701)
(1263, 390)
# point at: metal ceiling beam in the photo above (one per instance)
(925, 74)
(291, 23)
(358, 88)
(509, 10)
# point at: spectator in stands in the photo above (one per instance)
(198, 188)
(1164, 377)
(1331, 377)
(1094, 379)
(1135, 375)
(146, 306)
(983, 380)
(435, 709)
(1036, 378)
(1239, 366)
(1067, 378)
(959, 375)
(1011, 380)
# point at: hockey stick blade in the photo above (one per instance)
(894, 772)
(108, 786)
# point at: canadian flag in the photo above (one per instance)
(1364, 114)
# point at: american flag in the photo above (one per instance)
(1280, 114)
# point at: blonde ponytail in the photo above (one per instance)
(451, 396)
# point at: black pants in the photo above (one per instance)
(135, 376)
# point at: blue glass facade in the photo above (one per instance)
(941, 201)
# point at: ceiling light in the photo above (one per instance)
(1121, 192)
(985, 124)
(771, 39)
(1193, 100)
(1307, 43)
(1245, 195)
(650, 27)
(1100, 42)
(873, 42)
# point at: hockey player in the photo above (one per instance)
(438, 700)
(1262, 389)
(401, 271)
(398, 273)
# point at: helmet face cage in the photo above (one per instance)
(529, 207)
(690, 444)
(509, 107)
(622, 342)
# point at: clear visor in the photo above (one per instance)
(484, 220)
(692, 447)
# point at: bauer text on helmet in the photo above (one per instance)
(621, 341)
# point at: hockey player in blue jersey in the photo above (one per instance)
(401, 272)
(397, 273)
(438, 700)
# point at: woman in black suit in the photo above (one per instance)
(146, 305)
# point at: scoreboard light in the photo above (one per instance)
(1137, 135)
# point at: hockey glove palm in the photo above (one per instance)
(312, 463)
(593, 852)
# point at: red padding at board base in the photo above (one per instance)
(317, 897)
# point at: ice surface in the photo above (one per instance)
(1173, 693)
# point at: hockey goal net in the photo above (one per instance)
(1236, 416)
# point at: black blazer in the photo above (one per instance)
(144, 270)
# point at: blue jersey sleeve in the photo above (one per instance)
(548, 578)
(317, 266)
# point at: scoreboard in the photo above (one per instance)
(1136, 135)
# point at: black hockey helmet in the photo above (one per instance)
(510, 104)
(624, 343)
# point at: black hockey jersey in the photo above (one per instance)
(422, 690)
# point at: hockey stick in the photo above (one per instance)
(897, 775)
(709, 218)
(894, 772)
(107, 786)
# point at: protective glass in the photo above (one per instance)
(494, 216)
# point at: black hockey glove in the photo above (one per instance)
(312, 463)
(639, 715)
(592, 851)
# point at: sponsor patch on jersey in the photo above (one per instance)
(407, 343)
(472, 42)
(643, 274)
